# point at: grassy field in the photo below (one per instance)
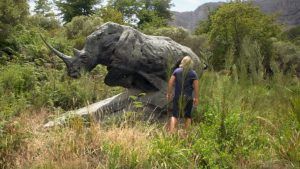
(249, 111)
(238, 124)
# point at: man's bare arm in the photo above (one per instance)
(196, 92)
(170, 87)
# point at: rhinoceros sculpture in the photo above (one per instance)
(135, 61)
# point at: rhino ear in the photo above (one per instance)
(76, 52)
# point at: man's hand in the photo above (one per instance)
(196, 90)
(196, 101)
(169, 97)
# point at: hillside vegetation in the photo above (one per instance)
(249, 111)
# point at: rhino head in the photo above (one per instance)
(74, 64)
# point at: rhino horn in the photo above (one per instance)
(67, 59)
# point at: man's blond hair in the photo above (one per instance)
(186, 63)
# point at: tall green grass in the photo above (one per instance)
(235, 126)
(238, 124)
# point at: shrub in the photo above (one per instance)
(198, 43)
(292, 34)
(169, 152)
(12, 139)
(80, 27)
(16, 83)
(47, 23)
(286, 55)
(17, 79)
(234, 21)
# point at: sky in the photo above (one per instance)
(179, 5)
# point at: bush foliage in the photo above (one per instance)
(247, 118)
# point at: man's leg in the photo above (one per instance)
(188, 114)
(173, 123)
(187, 123)
(173, 120)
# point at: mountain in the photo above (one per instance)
(288, 12)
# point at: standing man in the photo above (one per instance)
(185, 81)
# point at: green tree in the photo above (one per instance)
(128, 8)
(111, 14)
(72, 8)
(144, 13)
(42, 7)
(44, 16)
(12, 13)
(233, 22)
(292, 34)
(204, 26)
(154, 13)
(149, 20)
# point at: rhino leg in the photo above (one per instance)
(154, 104)
(96, 110)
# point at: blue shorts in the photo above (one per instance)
(185, 106)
